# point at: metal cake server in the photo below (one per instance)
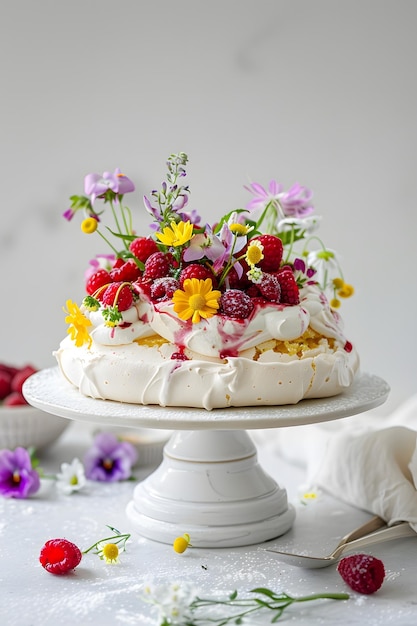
(372, 532)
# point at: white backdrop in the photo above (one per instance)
(323, 93)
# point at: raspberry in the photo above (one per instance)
(127, 272)
(118, 294)
(236, 303)
(163, 288)
(143, 247)
(195, 270)
(290, 293)
(362, 572)
(270, 287)
(158, 265)
(15, 398)
(20, 377)
(59, 556)
(5, 384)
(97, 280)
(273, 250)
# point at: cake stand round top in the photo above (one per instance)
(49, 391)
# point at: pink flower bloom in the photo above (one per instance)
(204, 245)
(109, 460)
(296, 202)
(96, 185)
(17, 478)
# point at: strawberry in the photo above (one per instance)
(195, 270)
(236, 303)
(100, 278)
(164, 288)
(143, 247)
(60, 556)
(158, 265)
(127, 272)
(270, 287)
(290, 293)
(118, 294)
(272, 251)
(362, 572)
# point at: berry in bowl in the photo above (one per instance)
(20, 423)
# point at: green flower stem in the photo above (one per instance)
(117, 221)
(116, 538)
(116, 252)
(271, 601)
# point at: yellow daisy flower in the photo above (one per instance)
(78, 324)
(197, 300)
(254, 252)
(176, 234)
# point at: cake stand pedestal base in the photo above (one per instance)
(210, 486)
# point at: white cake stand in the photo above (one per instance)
(209, 483)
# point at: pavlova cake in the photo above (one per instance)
(237, 313)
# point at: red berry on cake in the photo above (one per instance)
(97, 280)
(118, 294)
(164, 288)
(362, 572)
(158, 265)
(272, 251)
(290, 293)
(126, 272)
(60, 556)
(236, 303)
(195, 270)
(270, 287)
(143, 247)
(5, 384)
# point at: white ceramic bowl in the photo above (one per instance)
(27, 427)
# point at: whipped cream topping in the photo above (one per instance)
(221, 336)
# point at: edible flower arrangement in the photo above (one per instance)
(259, 255)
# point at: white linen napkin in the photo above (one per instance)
(368, 460)
(375, 471)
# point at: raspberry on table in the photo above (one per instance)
(60, 556)
(236, 303)
(362, 572)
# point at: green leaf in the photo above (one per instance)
(233, 595)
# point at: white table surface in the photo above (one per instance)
(101, 594)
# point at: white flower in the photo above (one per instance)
(326, 264)
(309, 494)
(308, 224)
(71, 478)
(172, 601)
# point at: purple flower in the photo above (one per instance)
(109, 459)
(69, 214)
(96, 185)
(17, 478)
(296, 202)
(204, 245)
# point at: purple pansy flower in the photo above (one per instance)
(109, 460)
(17, 478)
(96, 185)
